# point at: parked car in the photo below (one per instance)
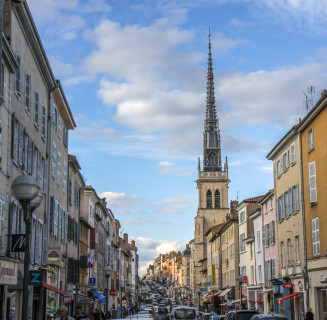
(269, 317)
(206, 316)
(184, 313)
(162, 309)
(217, 317)
(240, 314)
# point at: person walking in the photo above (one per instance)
(79, 315)
(64, 314)
(309, 314)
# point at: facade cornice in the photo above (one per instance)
(9, 55)
(28, 27)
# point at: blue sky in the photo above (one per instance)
(134, 73)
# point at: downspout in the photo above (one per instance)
(305, 267)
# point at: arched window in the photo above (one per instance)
(209, 199)
(217, 199)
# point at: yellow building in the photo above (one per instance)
(286, 157)
(313, 130)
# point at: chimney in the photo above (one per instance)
(323, 92)
(125, 237)
(233, 205)
(133, 243)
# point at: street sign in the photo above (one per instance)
(203, 289)
(35, 278)
(92, 282)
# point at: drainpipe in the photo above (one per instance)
(305, 267)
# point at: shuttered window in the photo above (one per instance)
(293, 153)
(18, 76)
(36, 108)
(277, 210)
(27, 91)
(92, 238)
(312, 182)
(55, 218)
(297, 249)
(64, 177)
(297, 198)
(66, 227)
(44, 123)
(310, 139)
(54, 153)
(290, 201)
(59, 127)
(282, 207)
(315, 236)
(58, 168)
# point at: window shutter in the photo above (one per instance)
(272, 232)
(287, 159)
(282, 206)
(66, 226)
(277, 210)
(312, 182)
(297, 201)
(20, 144)
(263, 236)
(273, 269)
(92, 238)
(55, 219)
(290, 194)
(292, 153)
(314, 237)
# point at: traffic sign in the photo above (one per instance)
(92, 282)
(35, 278)
(203, 289)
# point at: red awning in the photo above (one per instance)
(290, 296)
(66, 295)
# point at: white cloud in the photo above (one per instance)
(149, 249)
(170, 168)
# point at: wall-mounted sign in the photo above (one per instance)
(287, 286)
(203, 289)
(245, 280)
(35, 278)
(92, 282)
(54, 255)
(8, 272)
(18, 243)
(300, 285)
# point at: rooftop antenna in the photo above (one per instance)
(308, 103)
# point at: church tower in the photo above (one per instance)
(212, 183)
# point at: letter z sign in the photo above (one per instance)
(35, 278)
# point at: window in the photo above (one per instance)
(242, 217)
(293, 153)
(36, 108)
(242, 243)
(209, 199)
(69, 191)
(54, 159)
(59, 127)
(27, 91)
(259, 274)
(44, 119)
(315, 236)
(297, 249)
(65, 137)
(64, 174)
(54, 115)
(2, 216)
(312, 182)
(58, 168)
(0, 141)
(258, 240)
(217, 199)
(243, 271)
(310, 139)
(289, 251)
(277, 168)
(18, 76)
(282, 254)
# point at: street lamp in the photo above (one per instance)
(107, 272)
(26, 190)
(199, 294)
(213, 297)
(240, 280)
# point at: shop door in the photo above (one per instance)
(323, 304)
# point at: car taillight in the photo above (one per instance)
(197, 317)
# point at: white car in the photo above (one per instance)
(184, 313)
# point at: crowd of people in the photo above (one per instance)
(94, 314)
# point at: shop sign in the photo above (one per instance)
(300, 285)
(35, 278)
(287, 286)
(229, 303)
(203, 289)
(245, 280)
(279, 301)
(8, 272)
(113, 293)
(323, 279)
(18, 242)
(54, 255)
(67, 299)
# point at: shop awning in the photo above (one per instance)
(99, 296)
(67, 296)
(293, 295)
(225, 292)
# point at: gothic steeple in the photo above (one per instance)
(211, 134)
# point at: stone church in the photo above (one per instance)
(212, 184)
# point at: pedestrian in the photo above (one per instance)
(108, 315)
(91, 314)
(64, 314)
(79, 315)
(57, 314)
(97, 314)
(309, 314)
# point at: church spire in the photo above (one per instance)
(211, 135)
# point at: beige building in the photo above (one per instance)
(286, 156)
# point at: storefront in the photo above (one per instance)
(11, 287)
(256, 298)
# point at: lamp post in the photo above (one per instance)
(107, 272)
(213, 297)
(26, 190)
(199, 294)
(240, 280)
